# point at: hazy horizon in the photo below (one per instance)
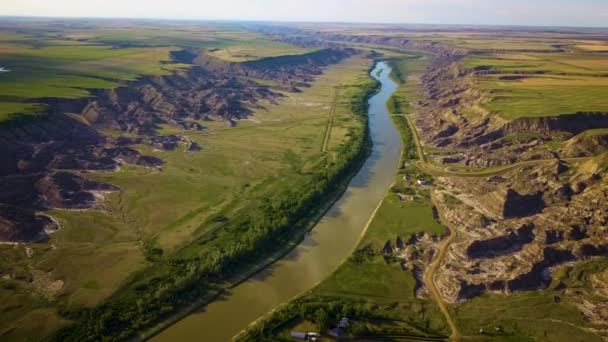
(583, 13)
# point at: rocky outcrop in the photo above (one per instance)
(292, 71)
(502, 245)
(519, 252)
(179, 99)
(589, 250)
(572, 123)
(19, 225)
(471, 290)
(537, 277)
(585, 145)
(521, 205)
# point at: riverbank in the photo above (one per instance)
(369, 288)
(321, 252)
(248, 270)
(239, 239)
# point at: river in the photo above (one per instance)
(330, 242)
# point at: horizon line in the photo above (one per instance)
(68, 17)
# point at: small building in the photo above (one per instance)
(344, 323)
(306, 336)
(406, 198)
(313, 336)
(299, 335)
(424, 182)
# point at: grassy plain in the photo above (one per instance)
(529, 84)
(70, 63)
(523, 316)
(256, 48)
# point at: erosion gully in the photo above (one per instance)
(330, 242)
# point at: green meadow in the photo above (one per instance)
(534, 84)
(523, 316)
(71, 63)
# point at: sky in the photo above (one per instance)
(482, 12)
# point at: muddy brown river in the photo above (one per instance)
(330, 242)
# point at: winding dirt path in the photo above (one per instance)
(436, 170)
(429, 273)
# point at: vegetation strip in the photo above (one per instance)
(330, 119)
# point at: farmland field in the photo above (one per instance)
(532, 85)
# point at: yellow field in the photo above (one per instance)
(592, 45)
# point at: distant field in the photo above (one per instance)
(545, 97)
(69, 71)
(592, 45)
(70, 63)
(497, 43)
(247, 50)
(529, 84)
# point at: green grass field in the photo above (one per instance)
(533, 84)
(524, 316)
(72, 62)
(256, 48)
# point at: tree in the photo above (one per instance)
(322, 320)
(348, 310)
(358, 329)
